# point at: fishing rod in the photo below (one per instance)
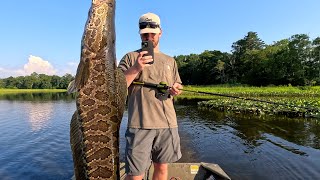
(163, 87)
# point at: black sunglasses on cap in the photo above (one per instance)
(152, 25)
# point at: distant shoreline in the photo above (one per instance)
(17, 91)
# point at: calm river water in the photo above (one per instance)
(34, 141)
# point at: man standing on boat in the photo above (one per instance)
(152, 133)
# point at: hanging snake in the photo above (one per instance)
(100, 101)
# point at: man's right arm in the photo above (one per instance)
(131, 74)
(141, 62)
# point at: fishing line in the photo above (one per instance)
(162, 86)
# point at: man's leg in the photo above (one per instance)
(160, 171)
(166, 149)
(134, 177)
(138, 152)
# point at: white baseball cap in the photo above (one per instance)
(149, 23)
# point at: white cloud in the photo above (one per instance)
(40, 66)
(7, 72)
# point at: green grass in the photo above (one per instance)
(294, 100)
(282, 91)
(18, 91)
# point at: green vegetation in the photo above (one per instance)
(289, 101)
(292, 61)
(20, 91)
(272, 91)
(36, 81)
(295, 61)
(286, 71)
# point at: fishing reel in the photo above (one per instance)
(163, 88)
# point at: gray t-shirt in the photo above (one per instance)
(147, 108)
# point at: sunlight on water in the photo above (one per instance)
(35, 140)
(39, 114)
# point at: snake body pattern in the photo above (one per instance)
(102, 90)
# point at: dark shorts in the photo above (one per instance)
(150, 145)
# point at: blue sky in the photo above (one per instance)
(44, 35)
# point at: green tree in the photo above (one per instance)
(220, 68)
(10, 82)
(277, 65)
(45, 81)
(315, 61)
(2, 83)
(19, 82)
(298, 57)
(215, 72)
(188, 67)
(65, 80)
(256, 62)
(34, 77)
(55, 81)
(240, 50)
(28, 82)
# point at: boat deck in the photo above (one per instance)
(187, 171)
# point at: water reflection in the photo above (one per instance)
(35, 137)
(38, 96)
(252, 128)
(299, 131)
(39, 114)
(251, 147)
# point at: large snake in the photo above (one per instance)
(101, 86)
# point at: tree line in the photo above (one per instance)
(37, 81)
(294, 61)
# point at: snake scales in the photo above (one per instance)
(101, 86)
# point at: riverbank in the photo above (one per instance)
(280, 100)
(277, 100)
(21, 91)
(272, 91)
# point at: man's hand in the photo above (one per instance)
(137, 67)
(176, 89)
(142, 61)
